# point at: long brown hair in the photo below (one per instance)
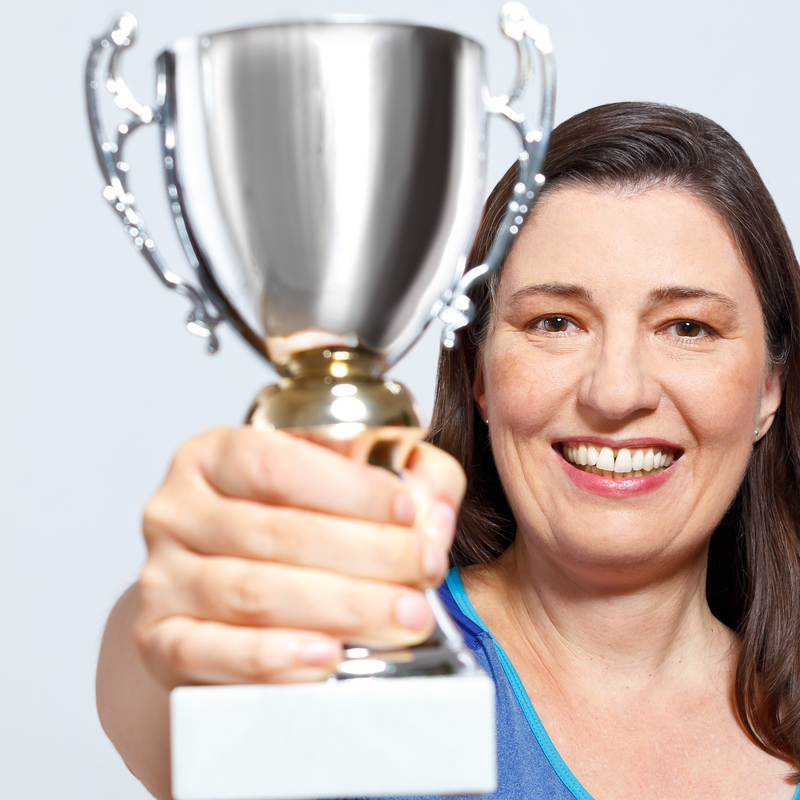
(753, 580)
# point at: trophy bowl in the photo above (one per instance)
(326, 181)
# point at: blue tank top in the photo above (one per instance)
(528, 765)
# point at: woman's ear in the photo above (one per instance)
(770, 401)
(478, 390)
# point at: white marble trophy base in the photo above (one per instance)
(355, 738)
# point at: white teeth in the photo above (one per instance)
(624, 463)
(605, 460)
(629, 462)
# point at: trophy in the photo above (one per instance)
(326, 182)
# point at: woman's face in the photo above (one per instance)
(627, 333)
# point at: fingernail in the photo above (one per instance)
(318, 652)
(412, 611)
(441, 525)
(405, 509)
(434, 561)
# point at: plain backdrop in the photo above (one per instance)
(99, 382)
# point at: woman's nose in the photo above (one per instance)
(617, 382)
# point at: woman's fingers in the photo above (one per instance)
(283, 470)
(181, 650)
(217, 526)
(263, 594)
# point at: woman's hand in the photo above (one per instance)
(267, 552)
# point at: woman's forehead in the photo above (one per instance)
(621, 242)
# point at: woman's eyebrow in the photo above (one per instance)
(666, 294)
(558, 289)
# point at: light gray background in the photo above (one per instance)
(99, 382)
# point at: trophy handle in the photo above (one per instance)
(121, 34)
(533, 44)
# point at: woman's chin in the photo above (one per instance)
(624, 539)
(610, 561)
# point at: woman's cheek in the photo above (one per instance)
(527, 387)
(718, 401)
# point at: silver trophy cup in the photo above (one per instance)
(326, 180)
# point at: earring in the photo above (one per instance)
(755, 434)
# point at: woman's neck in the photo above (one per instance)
(601, 630)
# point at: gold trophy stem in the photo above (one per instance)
(339, 397)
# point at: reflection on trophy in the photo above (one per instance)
(326, 181)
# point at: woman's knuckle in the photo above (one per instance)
(161, 519)
(263, 465)
(152, 582)
(156, 645)
(249, 596)
(357, 612)
(176, 652)
(275, 477)
(254, 660)
(189, 456)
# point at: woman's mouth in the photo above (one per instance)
(619, 462)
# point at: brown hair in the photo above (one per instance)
(753, 580)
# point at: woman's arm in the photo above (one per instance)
(265, 554)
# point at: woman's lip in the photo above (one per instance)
(617, 443)
(616, 487)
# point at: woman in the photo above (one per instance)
(617, 403)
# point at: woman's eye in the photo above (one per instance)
(687, 329)
(554, 324)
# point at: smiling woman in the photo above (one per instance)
(618, 402)
(626, 408)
